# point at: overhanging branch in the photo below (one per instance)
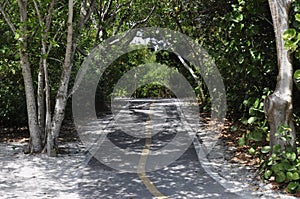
(8, 20)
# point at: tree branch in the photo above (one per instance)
(81, 52)
(49, 16)
(122, 19)
(54, 38)
(105, 13)
(135, 25)
(8, 20)
(178, 23)
(85, 17)
(144, 20)
(36, 6)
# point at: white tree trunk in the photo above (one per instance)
(35, 139)
(44, 107)
(278, 106)
(61, 97)
(196, 78)
(41, 103)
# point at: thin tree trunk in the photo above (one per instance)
(41, 103)
(278, 106)
(196, 78)
(61, 98)
(44, 67)
(62, 93)
(35, 139)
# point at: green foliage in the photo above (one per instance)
(12, 94)
(292, 35)
(154, 90)
(292, 38)
(283, 165)
(135, 59)
(236, 33)
(297, 78)
(254, 120)
(240, 38)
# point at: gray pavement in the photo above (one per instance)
(183, 178)
(79, 174)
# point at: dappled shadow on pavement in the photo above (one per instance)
(78, 173)
(182, 179)
(70, 176)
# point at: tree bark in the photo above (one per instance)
(35, 139)
(278, 106)
(41, 103)
(44, 65)
(196, 78)
(61, 97)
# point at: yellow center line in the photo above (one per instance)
(143, 159)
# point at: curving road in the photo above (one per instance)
(183, 178)
(143, 130)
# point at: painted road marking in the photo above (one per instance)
(142, 162)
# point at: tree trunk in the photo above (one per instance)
(44, 106)
(196, 78)
(35, 139)
(41, 103)
(61, 97)
(278, 106)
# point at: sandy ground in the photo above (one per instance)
(37, 176)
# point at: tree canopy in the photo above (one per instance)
(45, 42)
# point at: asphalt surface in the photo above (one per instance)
(182, 178)
(96, 170)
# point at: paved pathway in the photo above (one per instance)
(79, 175)
(183, 178)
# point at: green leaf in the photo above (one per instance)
(268, 174)
(239, 18)
(246, 102)
(276, 148)
(251, 151)
(244, 121)
(291, 45)
(291, 168)
(280, 177)
(291, 156)
(289, 175)
(292, 186)
(242, 141)
(241, 59)
(292, 175)
(289, 34)
(283, 138)
(287, 166)
(252, 111)
(278, 167)
(17, 36)
(256, 103)
(266, 149)
(297, 54)
(256, 136)
(233, 128)
(297, 17)
(297, 74)
(251, 120)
